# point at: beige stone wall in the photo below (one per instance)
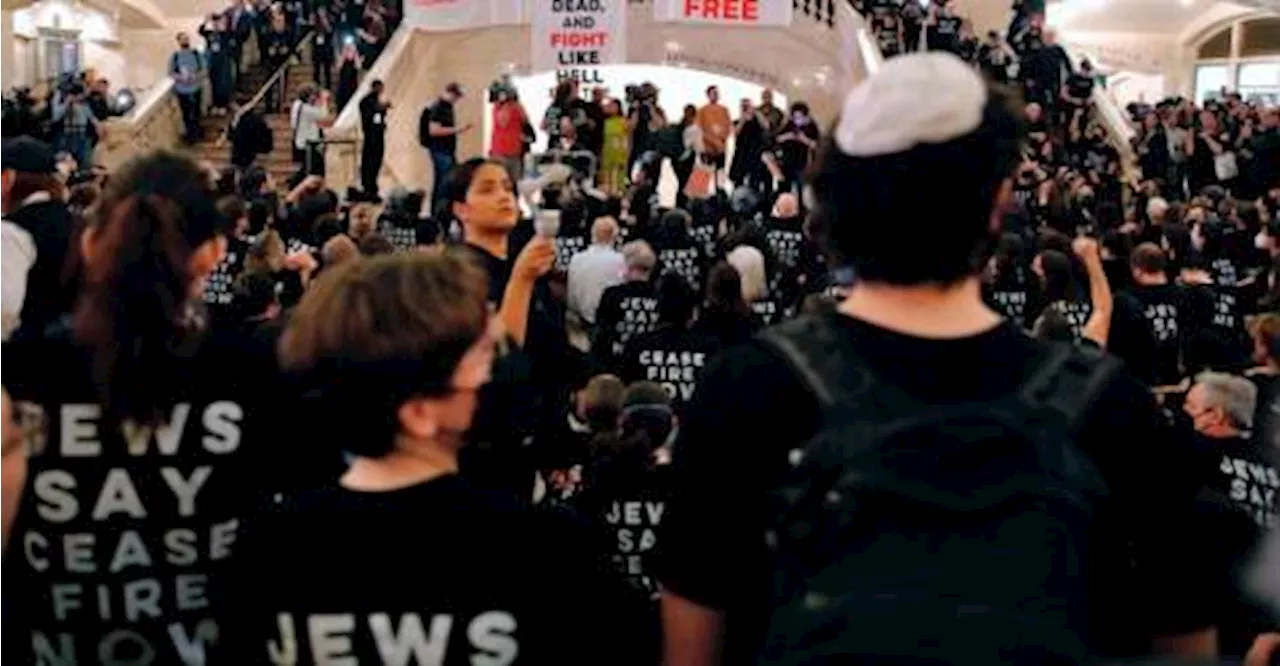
(808, 61)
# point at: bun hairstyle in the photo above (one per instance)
(904, 187)
(133, 310)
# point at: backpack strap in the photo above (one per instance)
(1067, 382)
(1063, 386)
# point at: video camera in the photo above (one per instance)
(502, 86)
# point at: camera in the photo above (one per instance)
(502, 86)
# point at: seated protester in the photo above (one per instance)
(574, 234)
(678, 251)
(292, 272)
(1265, 333)
(360, 222)
(594, 270)
(559, 459)
(325, 227)
(786, 230)
(1059, 291)
(218, 288)
(725, 316)
(1007, 287)
(339, 250)
(257, 315)
(146, 420)
(1242, 474)
(912, 342)
(749, 263)
(402, 222)
(396, 349)
(1153, 320)
(374, 245)
(625, 488)
(628, 309)
(671, 354)
(704, 223)
(1220, 342)
(1054, 325)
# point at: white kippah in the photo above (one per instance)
(913, 99)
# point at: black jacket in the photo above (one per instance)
(250, 137)
(48, 297)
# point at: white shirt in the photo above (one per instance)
(307, 124)
(17, 254)
(591, 272)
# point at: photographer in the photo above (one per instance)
(74, 123)
(645, 117)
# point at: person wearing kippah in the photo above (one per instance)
(891, 461)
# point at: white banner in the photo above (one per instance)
(445, 15)
(575, 37)
(725, 12)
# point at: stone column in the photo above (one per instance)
(8, 52)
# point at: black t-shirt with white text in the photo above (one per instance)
(672, 357)
(1149, 328)
(435, 573)
(626, 310)
(125, 534)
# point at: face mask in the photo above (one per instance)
(799, 119)
(1261, 241)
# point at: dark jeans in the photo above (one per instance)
(315, 159)
(189, 103)
(442, 163)
(370, 164)
(683, 169)
(324, 75)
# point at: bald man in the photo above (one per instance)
(595, 269)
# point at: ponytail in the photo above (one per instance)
(132, 304)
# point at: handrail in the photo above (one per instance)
(280, 71)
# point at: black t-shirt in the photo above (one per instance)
(688, 260)
(626, 310)
(124, 536)
(373, 117)
(277, 47)
(1238, 468)
(751, 410)
(1149, 329)
(441, 112)
(1266, 418)
(1011, 294)
(438, 572)
(669, 356)
(1080, 86)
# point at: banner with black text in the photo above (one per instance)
(576, 37)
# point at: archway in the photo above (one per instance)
(813, 59)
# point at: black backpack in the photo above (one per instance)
(913, 533)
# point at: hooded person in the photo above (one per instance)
(34, 203)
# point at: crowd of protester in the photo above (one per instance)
(345, 36)
(68, 113)
(265, 422)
